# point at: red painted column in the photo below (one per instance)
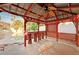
(35, 37)
(77, 39)
(38, 33)
(30, 38)
(46, 26)
(25, 33)
(57, 30)
(76, 25)
(56, 26)
(46, 30)
(42, 35)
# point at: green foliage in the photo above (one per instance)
(31, 26)
(34, 27)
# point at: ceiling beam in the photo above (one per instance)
(20, 15)
(26, 10)
(54, 5)
(5, 3)
(41, 11)
(74, 6)
(69, 5)
(33, 19)
(58, 9)
(65, 11)
(29, 8)
(60, 19)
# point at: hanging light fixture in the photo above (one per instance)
(46, 8)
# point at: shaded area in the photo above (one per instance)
(43, 47)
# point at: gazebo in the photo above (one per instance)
(50, 14)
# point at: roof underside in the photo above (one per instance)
(43, 11)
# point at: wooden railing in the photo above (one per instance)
(37, 36)
(65, 36)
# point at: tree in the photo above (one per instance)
(31, 26)
(16, 27)
(34, 26)
(16, 24)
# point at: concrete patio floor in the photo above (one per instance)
(49, 46)
(44, 47)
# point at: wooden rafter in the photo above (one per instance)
(74, 6)
(2, 9)
(26, 10)
(59, 9)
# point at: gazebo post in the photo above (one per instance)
(56, 26)
(57, 31)
(25, 34)
(76, 25)
(46, 30)
(77, 39)
(38, 33)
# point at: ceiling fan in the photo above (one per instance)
(49, 10)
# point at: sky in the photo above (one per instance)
(6, 17)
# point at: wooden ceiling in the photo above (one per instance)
(43, 11)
